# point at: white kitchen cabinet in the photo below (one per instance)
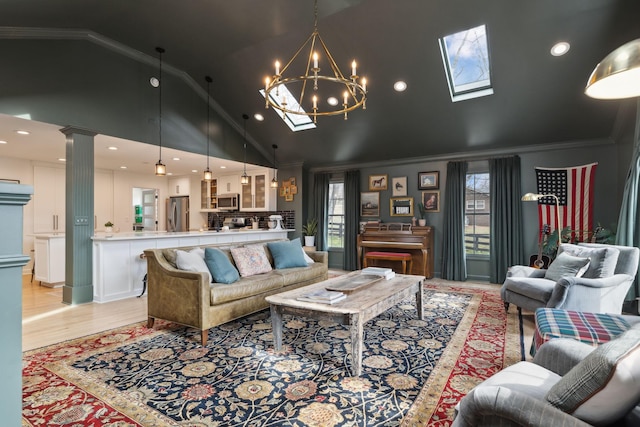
(228, 184)
(49, 259)
(179, 186)
(258, 195)
(48, 199)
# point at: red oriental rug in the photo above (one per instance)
(414, 371)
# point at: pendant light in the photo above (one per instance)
(208, 176)
(161, 170)
(274, 181)
(244, 179)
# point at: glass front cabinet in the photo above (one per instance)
(257, 195)
(209, 194)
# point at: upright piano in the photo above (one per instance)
(399, 237)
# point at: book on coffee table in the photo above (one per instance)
(387, 273)
(323, 296)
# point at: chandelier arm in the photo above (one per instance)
(296, 54)
(332, 62)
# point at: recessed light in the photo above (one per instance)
(259, 117)
(2, 142)
(169, 173)
(223, 167)
(176, 158)
(112, 148)
(194, 170)
(560, 48)
(154, 82)
(123, 167)
(399, 86)
(332, 100)
(22, 132)
(62, 159)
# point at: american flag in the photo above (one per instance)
(574, 189)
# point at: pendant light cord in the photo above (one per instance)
(209, 80)
(160, 52)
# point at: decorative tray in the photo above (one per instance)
(354, 283)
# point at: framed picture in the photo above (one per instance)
(370, 204)
(401, 206)
(431, 201)
(428, 180)
(399, 186)
(378, 182)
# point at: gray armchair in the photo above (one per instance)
(601, 289)
(569, 383)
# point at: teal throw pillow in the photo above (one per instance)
(220, 266)
(287, 254)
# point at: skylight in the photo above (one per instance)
(466, 62)
(296, 122)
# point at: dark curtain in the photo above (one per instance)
(321, 201)
(351, 214)
(454, 265)
(505, 238)
(628, 233)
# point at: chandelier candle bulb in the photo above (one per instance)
(353, 68)
(315, 59)
(277, 68)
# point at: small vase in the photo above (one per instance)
(108, 229)
(309, 240)
(422, 222)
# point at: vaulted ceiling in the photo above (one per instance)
(538, 98)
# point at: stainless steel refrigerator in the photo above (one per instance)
(178, 213)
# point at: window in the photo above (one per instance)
(466, 63)
(477, 214)
(295, 122)
(336, 215)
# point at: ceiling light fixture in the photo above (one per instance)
(351, 89)
(208, 175)
(112, 148)
(399, 86)
(22, 132)
(244, 179)
(560, 48)
(617, 76)
(259, 117)
(161, 170)
(274, 181)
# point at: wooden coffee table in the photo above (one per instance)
(359, 307)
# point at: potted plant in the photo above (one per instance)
(108, 227)
(309, 231)
(422, 221)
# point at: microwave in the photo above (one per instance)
(229, 202)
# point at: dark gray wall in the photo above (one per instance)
(86, 85)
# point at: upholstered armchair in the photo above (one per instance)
(588, 277)
(569, 383)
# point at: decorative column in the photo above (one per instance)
(12, 199)
(78, 287)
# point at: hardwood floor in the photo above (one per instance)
(46, 320)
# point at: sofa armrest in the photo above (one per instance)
(176, 295)
(319, 256)
(525, 271)
(494, 405)
(560, 355)
(602, 295)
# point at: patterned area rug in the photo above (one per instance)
(414, 371)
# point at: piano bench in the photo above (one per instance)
(389, 256)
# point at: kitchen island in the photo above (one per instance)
(119, 267)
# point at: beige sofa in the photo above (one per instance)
(187, 298)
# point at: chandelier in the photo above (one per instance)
(347, 94)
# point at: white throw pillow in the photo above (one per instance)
(307, 258)
(192, 261)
